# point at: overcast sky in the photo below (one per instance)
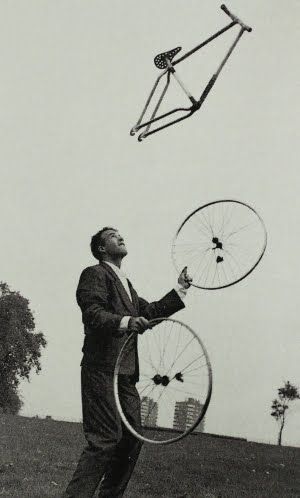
(74, 78)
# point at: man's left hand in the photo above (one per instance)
(184, 279)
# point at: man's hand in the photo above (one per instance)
(138, 324)
(184, 279)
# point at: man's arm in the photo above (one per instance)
(165, 307)
(170, 303)
(92, 297)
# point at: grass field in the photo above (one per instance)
(38, 458)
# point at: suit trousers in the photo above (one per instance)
(112, 451)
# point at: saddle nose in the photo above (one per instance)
(160, 61)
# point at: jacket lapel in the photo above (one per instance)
(134, 296)
(120, 288)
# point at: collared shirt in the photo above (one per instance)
(122, 276)
(181, 291)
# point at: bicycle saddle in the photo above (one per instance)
(160, 61)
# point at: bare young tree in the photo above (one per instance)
(286, 394)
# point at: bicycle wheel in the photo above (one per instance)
(174, 385)
(220, 243)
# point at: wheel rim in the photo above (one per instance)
(221, 243)
(175, 382)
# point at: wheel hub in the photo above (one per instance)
(164, 380)
(219, 244)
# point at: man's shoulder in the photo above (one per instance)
(97, 271)
(94, 270)
(92, 276)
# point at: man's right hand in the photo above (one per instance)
(138, 324)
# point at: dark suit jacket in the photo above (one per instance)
(104, 302)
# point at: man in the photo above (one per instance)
(111, 309)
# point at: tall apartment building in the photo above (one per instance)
(186, 413)
(149, 412)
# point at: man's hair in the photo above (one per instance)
(97, 240)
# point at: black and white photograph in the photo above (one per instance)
(149, 285)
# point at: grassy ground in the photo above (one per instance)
(37, 458)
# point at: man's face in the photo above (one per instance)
(113, 244)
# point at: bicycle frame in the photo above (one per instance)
(165, 61)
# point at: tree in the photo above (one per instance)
(19, 347)
(286, 394)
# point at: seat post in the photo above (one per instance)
(180, 83)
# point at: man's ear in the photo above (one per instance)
(101, 249)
